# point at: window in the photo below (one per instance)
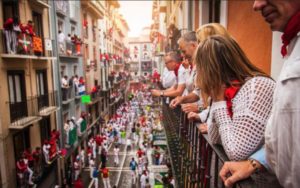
(62, 71)
(21, 142)
(38, 23)
(75, 70)
(41, 82)
(73, 29)
(45, 129)
(60, 25)
(42, 88)
(214, 11)
(17, 94)
(10, 9)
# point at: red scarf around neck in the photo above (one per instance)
(230, 93)
(290, 31)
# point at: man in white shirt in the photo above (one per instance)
(61, 40)
(281, 152)
(168, 78)
(116, 155)
(173, 63)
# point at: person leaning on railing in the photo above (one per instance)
(195, 104)
(281, 152)
(241, 98)
(188, 44)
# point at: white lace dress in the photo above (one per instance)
(242, 134)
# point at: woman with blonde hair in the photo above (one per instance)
(241, 95)
(202, 33)
(211, 29)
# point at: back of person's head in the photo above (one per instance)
(211, 29)
(220, 60)
(189, 37)
(175, 56)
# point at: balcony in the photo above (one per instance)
(23, 46)
(68, 95)
(31, 110)
(94, 7)
(61, 8)
(196, 161)
(40, 3)
(69, 49)
(47, 103)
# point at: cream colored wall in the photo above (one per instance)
(29, 66)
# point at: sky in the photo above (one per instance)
(138, 14)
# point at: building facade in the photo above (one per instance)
(29, 97)
(171, 19)
(141, 54)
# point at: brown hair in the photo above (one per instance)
(220, 60)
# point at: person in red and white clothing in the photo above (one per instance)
(242, 97)
(22, 167)
(281, 152)
(77, 167)
(173, 63)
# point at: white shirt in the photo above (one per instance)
(61, 37)
(242, 134)
(116, 151)
(64, 83)
(143, 179)
(168, 78)
(189, 82)
(181, 75)
(282, 133)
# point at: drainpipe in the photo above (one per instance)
(56, 81)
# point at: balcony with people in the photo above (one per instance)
(21, 40)
(33, 165)
(69, 46)
(72, 88)
(225, 120)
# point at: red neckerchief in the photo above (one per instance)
(229, 94)
(176, 69)
(291, 30)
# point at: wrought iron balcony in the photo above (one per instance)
(47, 103)
(26, 112)
(196, 161)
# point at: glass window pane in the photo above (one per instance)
(11, 89)
(18, 88)
(42, 84)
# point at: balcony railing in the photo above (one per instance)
(196, 161)
(22, 45)
(68, 94)
(69, 49)
(47, 103)
(29, 111)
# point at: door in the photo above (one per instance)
(21, 142)
(17, 95)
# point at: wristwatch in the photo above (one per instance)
(257, 167)
(162, 93)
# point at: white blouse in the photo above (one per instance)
(244, 133)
